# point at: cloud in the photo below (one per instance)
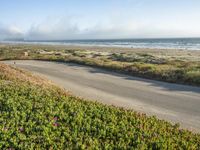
(54, 29)
(73, 27)
(10, 32)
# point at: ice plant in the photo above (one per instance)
(55, 124)
(55, 118)
(21, 129)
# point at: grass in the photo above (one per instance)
(35, 114)
(164, 67)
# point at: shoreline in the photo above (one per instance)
(65, 45)
(188, 55)
(98, 47)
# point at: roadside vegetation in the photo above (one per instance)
(173, 67)
(35, 114)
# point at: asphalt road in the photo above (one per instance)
(172, 102)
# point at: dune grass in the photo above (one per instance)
(174, 69)
(35, 114)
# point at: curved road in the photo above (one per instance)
(175, 103)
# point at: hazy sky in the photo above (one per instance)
(98, 19)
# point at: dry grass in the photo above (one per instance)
(11, 75)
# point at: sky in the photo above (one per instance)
(98, 19)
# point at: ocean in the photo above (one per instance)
(159, 43)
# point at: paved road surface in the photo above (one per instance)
(176, 103)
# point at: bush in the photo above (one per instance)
(193, 76)
(175, 75)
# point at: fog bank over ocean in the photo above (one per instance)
(158, 43)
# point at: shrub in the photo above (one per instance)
(193, 76)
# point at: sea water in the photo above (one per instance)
(159, 43)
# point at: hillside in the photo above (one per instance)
(35, 114)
